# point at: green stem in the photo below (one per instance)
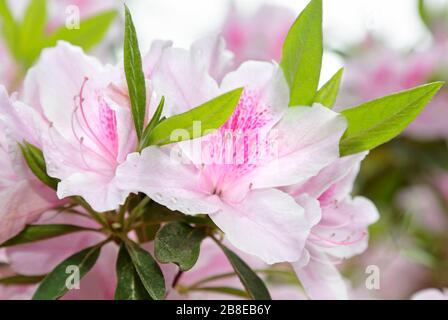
(233, 274)
(95, 215)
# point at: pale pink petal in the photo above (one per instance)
(182, 77)
(343, 231)
(166, 181)
(307, 141)
(212, 52)
(320, 278)
(58, 77)
(267, 82)
(278, 225)
(330, 175)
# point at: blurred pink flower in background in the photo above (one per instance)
(376, 71)
(258, 37)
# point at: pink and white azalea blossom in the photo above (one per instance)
(23, 198)
(259, 37)
(89, 130)
(235, 173)
(339, 227)
(431, 294)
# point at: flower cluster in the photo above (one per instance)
(153, 177)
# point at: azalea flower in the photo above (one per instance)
(89, 125)
(339, 227)
(281, 146)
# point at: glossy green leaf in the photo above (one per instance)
(179, 243)
(328, 94)
(54, 285)
(152, 124)
(148, 271)
(209, 116)
(36, 162)
(376, 122)
(33, 233)
(254, 286)
(302, 55)
(129, 285)
(134, 74)
(21, 280)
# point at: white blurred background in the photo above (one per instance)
(345, 21)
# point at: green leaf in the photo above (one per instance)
(134, 74)
(302, 55)
(148, 271)
(19, 279)
(33, 233)
(254, 286)
(32, 30)
(179, 243)
(54, 285)
(129, 285)
(152, 124)
(10, 28)
(328, 94)
(91, 31)
(376, 122)
(36, 162)
(210, 115)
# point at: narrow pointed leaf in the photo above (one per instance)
(328, 94)
(129, 285)
(376, 122)
(148, 271)
(179, 243)
(210, 115)
(255, 287)
(302, 55)
(54, 285)
(35, 160)
(134, 74)
(33, 233)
